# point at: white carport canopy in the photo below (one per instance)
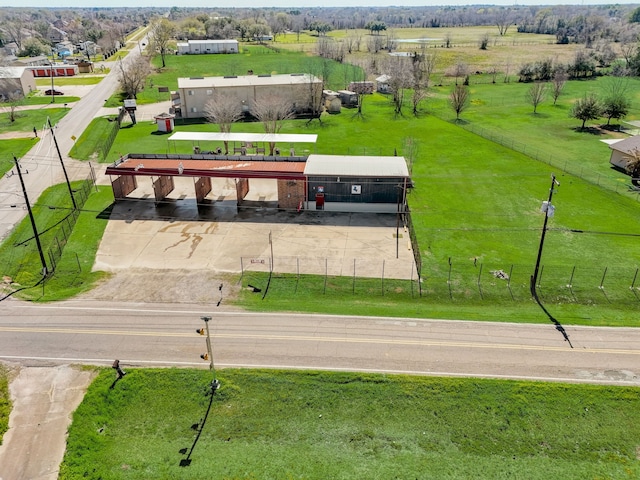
(244, 137)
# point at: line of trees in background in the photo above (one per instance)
(586, 24)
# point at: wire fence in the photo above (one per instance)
(562, 163)
(449, 281)
(65, 228)
(112, 134)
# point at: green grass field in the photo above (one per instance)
(319, 425)
(27, 119)
(76, 80)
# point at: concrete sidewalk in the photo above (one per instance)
(43, 400)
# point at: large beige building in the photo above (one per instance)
(303, 90)
(16, 81)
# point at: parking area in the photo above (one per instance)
(220, 237)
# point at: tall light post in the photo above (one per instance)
(53, 96)
(548, 210)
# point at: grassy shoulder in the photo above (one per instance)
(19, 256)
(286, 424)
(14, 147)
(64, 81)
(401, 298)
(90, 143)
(26, 120)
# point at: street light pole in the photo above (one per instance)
(548, 212)
(53, 96)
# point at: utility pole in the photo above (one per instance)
(209, 354)
(53, 96)
(33, 221)
(548, 210)
(66, 177)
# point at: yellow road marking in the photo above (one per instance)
(391, 342)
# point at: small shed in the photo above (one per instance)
(331, 101)
(165, 122)
(382, 84)
(348, 98)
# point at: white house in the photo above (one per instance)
(623, 150)
(196, 47)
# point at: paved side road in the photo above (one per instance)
(43, 400)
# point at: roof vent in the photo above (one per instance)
(230, 76)
(196, 78)
(265, 75)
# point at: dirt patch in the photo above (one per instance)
(163, 286)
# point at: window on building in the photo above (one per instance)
(190, 92)
(194, 109)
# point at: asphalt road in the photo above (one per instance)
(42, 162)
(157, 335)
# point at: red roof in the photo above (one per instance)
(208, 168)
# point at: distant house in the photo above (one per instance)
(623, 150)
(16, 81)
(32, 61)
(303, 90)
(361, 87)
(199, 47)
(383, 84)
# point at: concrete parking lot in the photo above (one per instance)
(222, 238)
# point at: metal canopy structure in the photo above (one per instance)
(243, 137)
(207, 168)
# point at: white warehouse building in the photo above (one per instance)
(198, 47)
(302, 90)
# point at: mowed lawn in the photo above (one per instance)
(326, 425)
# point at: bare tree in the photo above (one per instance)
(459, 99)
(493, 72)
(400, 78)
(460, 69)
(483, 43)
(13, 100)
(391, 41)
(272, 111)
(223, 110)
(536, 94)
(503, 21)
(628, 49)
(132, 77)
(352, 42)
(375, 43)
(447, 40)
(422, 67)
(15, 29)
(430, 61)
(161, 33)
(507, 71)
(558, 82)
(279, 23)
